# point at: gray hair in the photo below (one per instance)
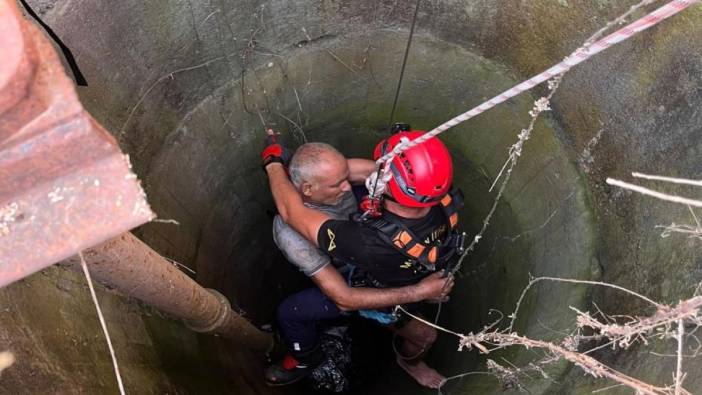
(305, 163)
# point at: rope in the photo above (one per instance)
(404, 63)
(86, 272)
(381, 177)
(577, 57)
(554, 73)
(515, 153)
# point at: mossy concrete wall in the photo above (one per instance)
(49, 323)
(188, 86)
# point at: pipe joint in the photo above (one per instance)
(219, 321)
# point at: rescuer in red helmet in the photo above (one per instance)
(422, 175)
(414, 235)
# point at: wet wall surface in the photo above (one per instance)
(187, 87)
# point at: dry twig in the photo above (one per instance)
(690, 230)
(673, 180)
(655, 194)
(533, 281)
(489, 341)
(679, 377)
(658, 324)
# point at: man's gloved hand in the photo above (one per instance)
(274, 151)
(436, 287)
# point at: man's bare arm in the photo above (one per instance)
(348, 298)
(304, 220)
(359, 170)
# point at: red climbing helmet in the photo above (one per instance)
(421, 175)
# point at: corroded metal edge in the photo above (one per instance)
(64, 183)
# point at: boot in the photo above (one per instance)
(294, 368)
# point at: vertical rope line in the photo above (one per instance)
(86, 272)
(404, 63)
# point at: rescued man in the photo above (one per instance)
(414, 236)
(323, 177)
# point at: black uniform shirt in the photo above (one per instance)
(360, 245)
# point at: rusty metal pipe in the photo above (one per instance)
(128, 265)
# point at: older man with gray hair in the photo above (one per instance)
(323, 177)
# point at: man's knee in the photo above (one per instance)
(308, 305)
(288, 311)
(427, 334)
(420, 333)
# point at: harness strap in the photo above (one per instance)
(426, 255)
(451, 203)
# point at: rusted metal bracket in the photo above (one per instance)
(64, 183)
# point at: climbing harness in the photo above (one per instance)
(423, 256)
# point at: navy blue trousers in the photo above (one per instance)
(298, 316)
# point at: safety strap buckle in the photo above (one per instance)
(461, 247)
(459, 242)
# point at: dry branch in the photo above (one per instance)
(655, 194)
(587, 363)
(623, 335)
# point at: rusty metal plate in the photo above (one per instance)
(64, 183)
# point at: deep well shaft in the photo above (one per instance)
(186, 88)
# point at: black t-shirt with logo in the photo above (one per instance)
(361, 246)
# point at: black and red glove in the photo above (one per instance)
(274, 152)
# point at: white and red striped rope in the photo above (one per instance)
(577, 57)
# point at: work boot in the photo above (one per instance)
(291, 369)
